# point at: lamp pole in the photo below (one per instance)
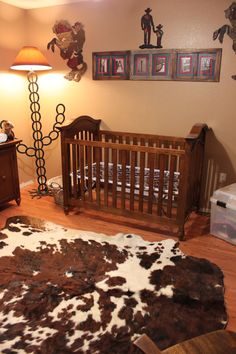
(30, 58)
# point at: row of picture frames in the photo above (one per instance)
(172, 64)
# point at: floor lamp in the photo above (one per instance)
(30, 59)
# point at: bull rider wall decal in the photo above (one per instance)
(70, 40)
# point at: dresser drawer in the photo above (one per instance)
(9, 179)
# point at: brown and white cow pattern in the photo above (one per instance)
(69, 291)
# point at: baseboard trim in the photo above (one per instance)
(205, 210)
(25, 184)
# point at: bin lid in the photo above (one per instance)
(225, 197)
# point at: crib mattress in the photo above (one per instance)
(156, 178)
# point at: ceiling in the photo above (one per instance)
(33, 4)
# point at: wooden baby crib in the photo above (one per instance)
(150, 177)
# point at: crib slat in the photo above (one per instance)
(151, 159)
(135, 142)
(77, 179)
(157, 162)
(161, 184)
(86, 154)
(97, 159)
(127, 141)
(120, 139)
(171, 185)
(132, 178)
(150, 143)
(65, 148)
(123, 178)
(106, 176)
(89, 164)
(74, 171)
(114, 178)
(141, 180)
(81, 168)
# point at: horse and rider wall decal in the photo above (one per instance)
(230, 14)
(70, 40)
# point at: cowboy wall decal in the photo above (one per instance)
(147, 25)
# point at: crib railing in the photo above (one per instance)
(149, 177)
(150, 140)
(140, 183)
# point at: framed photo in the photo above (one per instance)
(111, 65)
(197, 65)
(162, 63)
(118, 65)
(151, 65)
(206, 65)
(103, 66)
(209, 65)
(140, 65)
(185, 64)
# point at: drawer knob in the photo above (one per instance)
(3, 178)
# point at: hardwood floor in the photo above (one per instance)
(199, 242)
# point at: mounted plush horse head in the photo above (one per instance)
(230, 14)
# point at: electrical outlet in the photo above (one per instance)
(222, 177)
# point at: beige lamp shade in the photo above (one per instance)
(30, 59)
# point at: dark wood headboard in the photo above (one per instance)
(81, 124)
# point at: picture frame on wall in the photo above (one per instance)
(162, 63)
(206, 65)
(198, 65)
(185, 65)
(209, 66)
(151, 65)
(140, 65)
(111, 65)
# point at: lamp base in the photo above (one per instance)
(37, 193)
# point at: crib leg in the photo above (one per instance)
(79, 188)
(66, 210)
(181, 234)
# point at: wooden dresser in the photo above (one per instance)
(9, 178)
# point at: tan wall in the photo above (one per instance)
(13, 87)
(148, 106)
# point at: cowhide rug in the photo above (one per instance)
(68, 291)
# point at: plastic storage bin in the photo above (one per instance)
(223, 213)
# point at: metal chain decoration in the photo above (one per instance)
(40, 141)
